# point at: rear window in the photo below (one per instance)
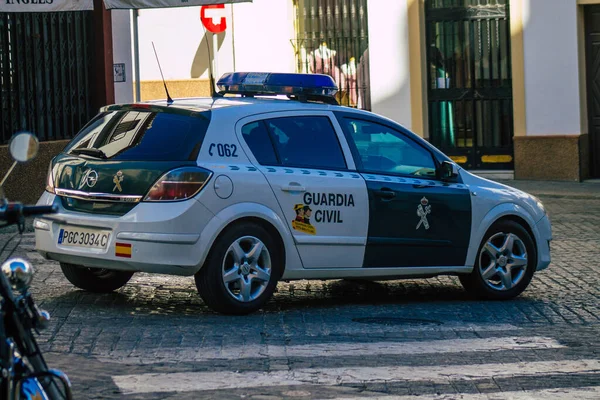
(144, 135)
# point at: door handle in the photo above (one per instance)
(385, 193)
(293, 187)
(423, 186)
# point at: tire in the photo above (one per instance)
(95, 280)
(251, 278)
(493, 281)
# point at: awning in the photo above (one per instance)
(140, 4)
(83, 5)
(45, 6)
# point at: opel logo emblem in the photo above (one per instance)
(91, 177)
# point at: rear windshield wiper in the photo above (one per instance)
(90, 152)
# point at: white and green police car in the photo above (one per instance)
(241, 191)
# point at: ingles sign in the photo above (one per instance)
(45, 5)
(83, 5)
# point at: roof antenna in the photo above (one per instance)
(169, 99)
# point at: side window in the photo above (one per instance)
(257, 138)
(309, 142)
(385, 150)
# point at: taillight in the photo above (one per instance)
(50, 180)
(179, 184)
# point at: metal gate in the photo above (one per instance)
(470, 81)
(332, 38)
(45, 73)
(592, 54)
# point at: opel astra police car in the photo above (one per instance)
(246, 188)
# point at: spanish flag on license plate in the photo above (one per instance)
(123, 250)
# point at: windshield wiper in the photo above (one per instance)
(90, 152)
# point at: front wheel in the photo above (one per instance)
(96, 280)
(505, 263)
(241, 271)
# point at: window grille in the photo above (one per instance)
(332, 38)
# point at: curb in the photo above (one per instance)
(564, 196)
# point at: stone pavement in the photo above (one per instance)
(581, 190)
(336, 339)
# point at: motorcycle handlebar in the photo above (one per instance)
(38, 210)
(12, 212)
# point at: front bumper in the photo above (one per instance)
(163, 237)
(544, 238)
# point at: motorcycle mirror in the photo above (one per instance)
(23, 146)
(18, 272)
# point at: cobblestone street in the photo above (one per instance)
(342, 339)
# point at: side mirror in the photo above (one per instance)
(23, 147)
(448, 171)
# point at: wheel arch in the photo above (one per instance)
(503, 212)
(249, 212)
(521, 221)
(262, 223)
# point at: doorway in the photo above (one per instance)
(592, 55)
(470, 82)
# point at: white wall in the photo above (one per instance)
(257, 38)
(121, 28)
(263, 33)
(551, 67)
(177, 34)
(389, 60)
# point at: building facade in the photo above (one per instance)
(505, 87)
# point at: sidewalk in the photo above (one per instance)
(574, 190)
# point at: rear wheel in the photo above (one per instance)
(241, 271)
(505, 263)
(98, 280)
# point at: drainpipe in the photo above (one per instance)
(136, 55)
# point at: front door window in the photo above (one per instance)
(385, 150)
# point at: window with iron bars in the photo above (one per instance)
(332, 38)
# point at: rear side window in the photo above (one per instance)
(257, 138)
(309, 142)
(144, 135)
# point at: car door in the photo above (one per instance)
(309, 170)
(415, 219)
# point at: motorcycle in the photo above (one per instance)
(24, 373)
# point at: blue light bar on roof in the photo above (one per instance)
(259, 83)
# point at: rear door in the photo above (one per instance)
(310, 172)
(414, 218)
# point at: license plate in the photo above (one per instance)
(82, 237)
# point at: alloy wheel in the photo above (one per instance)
(246, 269)
(503, 261)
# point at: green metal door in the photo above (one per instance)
(45, 73)
(470, 81)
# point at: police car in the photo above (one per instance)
(249, 187)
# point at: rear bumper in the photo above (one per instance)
(164, 238)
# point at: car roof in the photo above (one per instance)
(239, 107)
(214, 103)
